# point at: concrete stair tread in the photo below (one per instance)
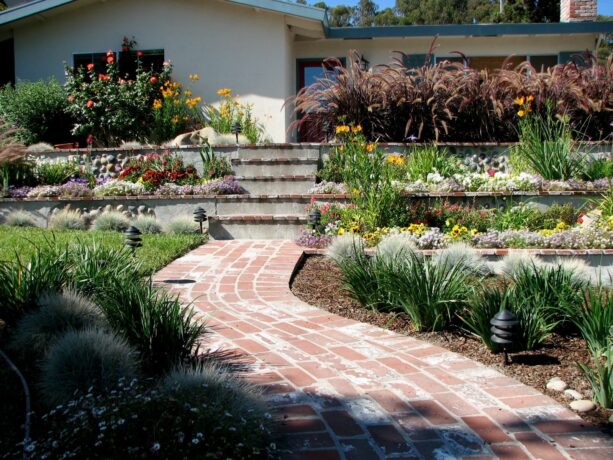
(279, 178)
(260, 217)
(277, 160)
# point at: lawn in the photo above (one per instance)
(156, 252)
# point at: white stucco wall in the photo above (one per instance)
(227, 45)
(379, 51)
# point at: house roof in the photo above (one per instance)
(34, 7)
(475, 30)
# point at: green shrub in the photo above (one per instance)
(55, 172)
(598, 169)
(108, 108)
(346, 246)
(361, 276)
(67, 219)
(424, 160)
(196, 415)
(84, 360)
(148, 225)
(552, 216)
(57, 314)
(182, 224)
(111, 221)
(20, 218)
(163, 330)
(430, 292)
(38, 109)
(515, 217)
(23, 281)
(515, 261)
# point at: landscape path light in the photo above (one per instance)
(236, 129)
(200, 217)
(133, 238)
(315, 219)
(504, 331)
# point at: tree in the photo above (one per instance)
(531, 11)
(340, 16)
(364, 13)
(387, 17)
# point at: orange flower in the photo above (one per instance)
(521, 113)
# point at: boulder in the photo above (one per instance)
(205, 135)
(572, 394)
(556, 384)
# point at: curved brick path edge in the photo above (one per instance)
(352, 391)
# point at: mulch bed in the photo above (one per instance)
(318, 283)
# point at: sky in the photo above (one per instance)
(605, 7)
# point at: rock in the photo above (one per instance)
(120, 208)
(556, 384)
(142, 209)
(207, 135)
(108, 208)
(110, 158)
(572, 394)
(583, 405)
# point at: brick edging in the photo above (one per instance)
(503, 251)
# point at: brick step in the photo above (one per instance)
(274, 166)
(277, 185)
(304, 151)
(256, 226)
(270, 204)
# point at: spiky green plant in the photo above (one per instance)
(164, 331)
(67, 219)
(148, 225)
(182, 224)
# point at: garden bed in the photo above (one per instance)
(318, 283)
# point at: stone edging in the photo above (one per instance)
(505, 251)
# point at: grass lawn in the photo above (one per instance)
(157, 251)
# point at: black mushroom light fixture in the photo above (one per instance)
(133, 238)
(200, 217)
(504, 331)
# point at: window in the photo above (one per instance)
(542, 63)
(127, 61)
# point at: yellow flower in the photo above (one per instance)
(194, 77)
(341, 231)
(521, 113)
(530, 98)
(342, 129)
(370, 147)
(474, 231)
(187, 93)
(341, 148)
(224, 92)
(561, 226)
(520, 100)
(396, 159)
(174, 120)
(157, 104)
(356, 129)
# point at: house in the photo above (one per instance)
(263, 49)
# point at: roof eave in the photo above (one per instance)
(474, 30)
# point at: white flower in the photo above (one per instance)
(155, 447)
(195, 441)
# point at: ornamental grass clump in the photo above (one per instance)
(182, 224)
(464, 255)
(164, 331)
(85, 360)
(19, 218)
(429, 292)
(148, 225)
(113, 221)
(67, 219)
(422, 161)
(57, 313)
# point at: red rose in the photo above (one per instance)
(153, 80)
(90, 104)
(139, 54)
(110, 60)
(71, 99)
(103, 77)
(90, 67)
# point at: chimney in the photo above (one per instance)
(578, 10)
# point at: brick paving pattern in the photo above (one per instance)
(348, 390)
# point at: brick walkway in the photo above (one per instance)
(347, 390)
